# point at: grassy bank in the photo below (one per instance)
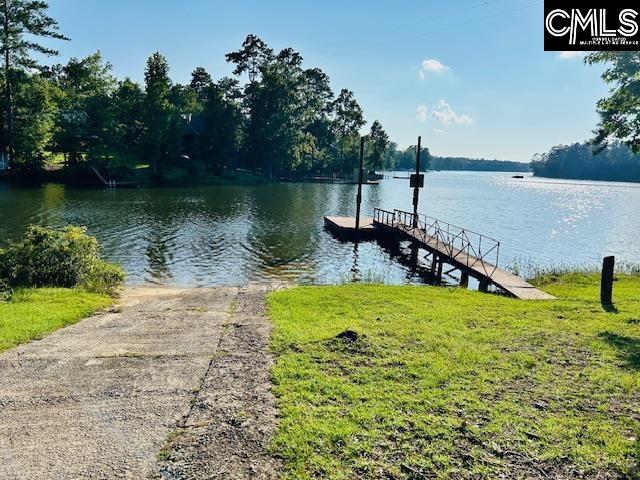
(32, 313)
(456, 384)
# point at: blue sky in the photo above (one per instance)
(470, 76)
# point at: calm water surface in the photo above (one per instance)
(234, 235)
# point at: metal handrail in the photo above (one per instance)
(463, 245)
(384, 217)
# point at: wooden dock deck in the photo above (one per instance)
(346, 226)
(462, 249)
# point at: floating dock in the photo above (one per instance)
(473, 254)
(346, 227)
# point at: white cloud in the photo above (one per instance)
(438, 131)
(422, 113)
(431, 65)
(570, 55)
(443, 112)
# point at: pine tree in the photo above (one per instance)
(161, 120)
(347, 121)
(20, 22)
(200, 81)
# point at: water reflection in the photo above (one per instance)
(234, 235)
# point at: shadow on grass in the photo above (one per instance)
(628, 348)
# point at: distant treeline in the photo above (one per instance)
(457, 163)
(582, 161)
(396, 159)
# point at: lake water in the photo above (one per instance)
(234, 235)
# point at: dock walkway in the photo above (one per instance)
(474, 254)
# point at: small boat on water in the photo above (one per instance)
(518, 176)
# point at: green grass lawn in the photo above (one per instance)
(32, 313)
(448, 383)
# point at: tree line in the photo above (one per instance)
(397, 159)
(613, 154)
(481, 164)
(275, 116)
(583, 161)
(405, 160)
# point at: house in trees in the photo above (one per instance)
(192, 126)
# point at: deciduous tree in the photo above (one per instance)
(620, 112)
(84, 123)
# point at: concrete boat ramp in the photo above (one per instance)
(171, 384)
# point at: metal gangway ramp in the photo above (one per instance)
(474, 254)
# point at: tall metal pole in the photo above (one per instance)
(416, 190)
(360, 180)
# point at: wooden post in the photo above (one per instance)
(606, 285)
(484, 285)
(416, 190)
(360, 180)
(440, 265)
(464, 279)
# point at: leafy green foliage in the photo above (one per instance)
(58, 258)
(35, 107)
(449, 383)
(220, 136)
(378, 141)
(347, 119)
(162, 123)
(620, 112)
(84, 124)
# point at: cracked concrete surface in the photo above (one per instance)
(172, 384)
